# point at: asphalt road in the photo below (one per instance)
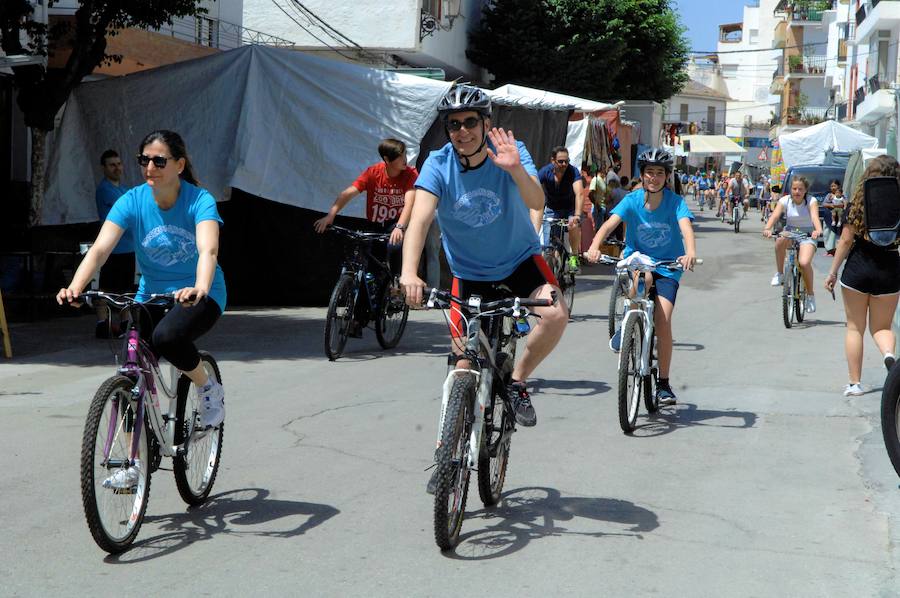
(763, 481)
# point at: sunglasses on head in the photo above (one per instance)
(158, 161)
(469, 123)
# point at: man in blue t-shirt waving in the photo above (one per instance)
(483, 184)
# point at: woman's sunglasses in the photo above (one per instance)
(158, 161)
(469, 123)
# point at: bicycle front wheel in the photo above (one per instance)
(339, 316)
(114, 512)
(736, 216)
(498, 425)
(568, 282)
(651, 401)
(195, 470)
(890, 417)
(452, 464)
(393, 312)
(630, 379)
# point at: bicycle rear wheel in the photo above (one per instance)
(616, 298)
(553, 259)
(393, 312)
(114, 515)
(339, 316)
(452, 468)
(568, 288)
(800, 300)
(196, 469)
(498, 425)
(890, 417)
(736, 216)
(630, 379)
(787, 302)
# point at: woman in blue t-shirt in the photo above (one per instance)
(175, 227)
(657, 224)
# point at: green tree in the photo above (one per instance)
(598, 49)
(41, 91)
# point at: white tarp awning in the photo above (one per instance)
(530, 95)
(277, 123)
(711, 144)
(808, 146)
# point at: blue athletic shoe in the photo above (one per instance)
(615, 343)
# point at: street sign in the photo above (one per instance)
(762, 157)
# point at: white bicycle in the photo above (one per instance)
(476, 423)
(637, 355)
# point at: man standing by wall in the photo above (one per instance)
(117, 275)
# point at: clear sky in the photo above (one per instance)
(703, 17)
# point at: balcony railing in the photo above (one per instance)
(807, 65)
(881, 81)
(805, 116)
(215, 33)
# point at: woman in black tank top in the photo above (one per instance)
(870, 282)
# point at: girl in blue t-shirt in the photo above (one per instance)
(657, 224)
(175, 227)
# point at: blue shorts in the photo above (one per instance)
(665, 287)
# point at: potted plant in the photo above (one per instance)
(795, 63)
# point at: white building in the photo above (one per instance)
(415, 33)
(872, 68)
(695, 110)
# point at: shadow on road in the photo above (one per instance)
(588, 387)
(685, 415)
(247, 511)
(532, 513)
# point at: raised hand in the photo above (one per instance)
(505, 153)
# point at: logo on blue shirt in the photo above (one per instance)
(169, 245)
(654, 234)
(477, 208)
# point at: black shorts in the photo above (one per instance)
(528, 276)
(871, 269)
(117, 274)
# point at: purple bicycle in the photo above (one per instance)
(127, 433)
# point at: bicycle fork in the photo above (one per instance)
(482, 399)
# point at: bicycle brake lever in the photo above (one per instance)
(431, 299)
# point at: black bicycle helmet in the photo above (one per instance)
(462, 98)
(656, 156)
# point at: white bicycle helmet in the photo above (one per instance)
(656, 156)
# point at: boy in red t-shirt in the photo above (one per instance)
(389, 192)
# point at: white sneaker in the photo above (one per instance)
(212, 404)
(810, 304)
(777, 280)
(125, 478)
(854, 390)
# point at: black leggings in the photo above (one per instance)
(172, 333)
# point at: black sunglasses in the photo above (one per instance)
(469, 123)
(158, 161)
(561, 162)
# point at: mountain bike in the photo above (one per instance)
(638, 371)
(476, 423)
(560, 259)
(126, 426)
(361, 294)
(890, 416)
(793, 293)
(618, 293)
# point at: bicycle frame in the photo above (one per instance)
(356, 262)
(643, 309)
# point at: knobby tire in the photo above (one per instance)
(391, 317)
(452, 470)
(890, 416)
(339, 316)
(629, 374)
(494, 455)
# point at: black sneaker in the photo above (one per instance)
(664, 394)
(354, 330)
(521, 404)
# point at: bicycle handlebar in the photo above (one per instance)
(443, 299)
(359, 234)
(127, 299)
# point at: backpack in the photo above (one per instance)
(881, 216)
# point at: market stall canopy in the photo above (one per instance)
(528, 95)
(710, 144)
(808, 146)
(276, 123)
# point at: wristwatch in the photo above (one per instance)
(399, 226)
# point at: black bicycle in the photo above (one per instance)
(365, 290)
(890, 416)
(561, 261)
(476, 423)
